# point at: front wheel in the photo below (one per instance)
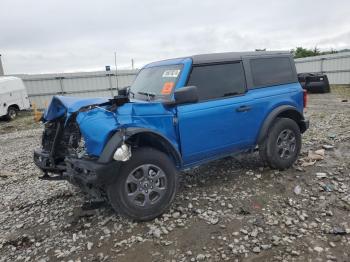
(145, 186)
(11, 113)
(282, 144)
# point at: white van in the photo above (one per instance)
(13, 96)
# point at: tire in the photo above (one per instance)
(282, 144)
(11, 113)
(145, 186)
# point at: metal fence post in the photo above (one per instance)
(321, 64)
(110, 83)
(60, 78)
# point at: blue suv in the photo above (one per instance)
(178, 113)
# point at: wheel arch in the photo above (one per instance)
(140, 137)
(14, 106)
(286, 111)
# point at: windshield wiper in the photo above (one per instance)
(149, 95)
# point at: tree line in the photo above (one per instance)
(300, 52)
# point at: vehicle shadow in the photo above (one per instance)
(220, 171)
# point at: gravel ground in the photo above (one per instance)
(232, 209)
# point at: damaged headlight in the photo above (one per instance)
(123, 153)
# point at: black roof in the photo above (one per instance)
(232, 56)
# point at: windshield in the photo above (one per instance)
(155, 82)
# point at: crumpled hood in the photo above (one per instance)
(61, 105)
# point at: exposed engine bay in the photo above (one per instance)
(62, 138)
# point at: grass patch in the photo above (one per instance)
(24, 121)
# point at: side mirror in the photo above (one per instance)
(186, 94)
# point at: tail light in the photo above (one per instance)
(305, 98)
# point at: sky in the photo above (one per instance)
(42, 36)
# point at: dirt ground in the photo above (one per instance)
(233, 209)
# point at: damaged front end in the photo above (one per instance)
(74, 135)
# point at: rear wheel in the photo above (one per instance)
(282, 144)
(11, 113)
(145, 186)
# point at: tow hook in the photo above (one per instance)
(123, 153)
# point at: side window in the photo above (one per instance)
(271, 71)
(218, 80)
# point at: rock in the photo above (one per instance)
(254, 233)
(200, 257)
(297, 190)
(156, 232)
(288, 221)
(295, 253)
(89, 245)
(189, 253)
(318, 249)
(106, 231)
(244, 231)
(176, 215)
(264, 247)
(275, 239)
(332, 136)
(329, 212)
(320, 152)
(328, 147)
(315, 156)
(321, 175)
(139, 239)
(214, 220)
(256, 250)
(338, 231)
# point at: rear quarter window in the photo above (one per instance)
(271, 71)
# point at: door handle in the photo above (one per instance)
(243, 108)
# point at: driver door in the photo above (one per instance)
(219, 122)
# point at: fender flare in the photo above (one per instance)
(118, 137)
(273, 115)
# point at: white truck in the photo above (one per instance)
(13, 97)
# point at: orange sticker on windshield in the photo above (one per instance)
(167, 88)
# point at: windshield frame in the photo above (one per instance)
(142, 94)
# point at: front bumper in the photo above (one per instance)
(81, 172)
(45, 162)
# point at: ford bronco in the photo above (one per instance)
(177, 114)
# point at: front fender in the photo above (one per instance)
(124, 134)
(96, 126)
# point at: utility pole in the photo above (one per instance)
(116, 70)
(1, 68)
(132, 63)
